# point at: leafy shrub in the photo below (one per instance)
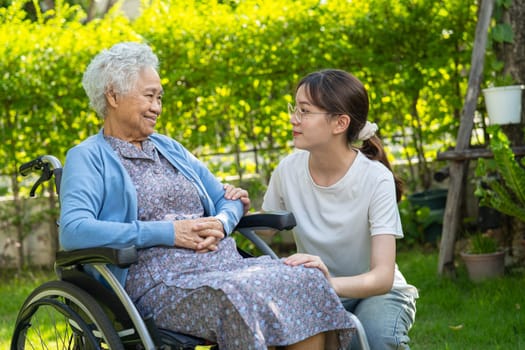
(501, 184)
(482, 244)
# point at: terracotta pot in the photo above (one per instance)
(482, 266)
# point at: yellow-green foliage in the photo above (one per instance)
(43, 109)
(230, 67)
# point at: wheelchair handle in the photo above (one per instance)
(48, 165)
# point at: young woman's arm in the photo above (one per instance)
(378, 280)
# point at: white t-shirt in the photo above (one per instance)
(337, 222)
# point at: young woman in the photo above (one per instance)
(343, 193)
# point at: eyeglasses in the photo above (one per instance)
(296, 112)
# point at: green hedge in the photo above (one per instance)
(229, 69)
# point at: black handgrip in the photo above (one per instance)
(27, 168)
(48, 166)
(42, 162)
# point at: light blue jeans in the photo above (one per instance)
(386, 319)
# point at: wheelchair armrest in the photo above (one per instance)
(123, 257)
(280, 220)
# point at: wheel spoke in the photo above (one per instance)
(59, 315)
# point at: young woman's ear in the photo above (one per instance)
(342, 123)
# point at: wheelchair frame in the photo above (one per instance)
(77, 295)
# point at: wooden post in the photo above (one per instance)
(458, 169)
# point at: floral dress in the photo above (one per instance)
(240, 303)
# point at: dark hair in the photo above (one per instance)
(339, 92)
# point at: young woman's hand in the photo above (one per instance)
(235, 193)
(307, 260)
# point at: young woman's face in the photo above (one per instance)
(136, 114)
(315, 127)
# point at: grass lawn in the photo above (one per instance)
(459, 314)
(451, 314)
(14, 288)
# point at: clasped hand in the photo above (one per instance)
(202, 234)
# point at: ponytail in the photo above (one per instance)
(373, 149)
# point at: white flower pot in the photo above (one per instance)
(504, 104)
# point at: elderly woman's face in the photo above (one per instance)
(132, 117)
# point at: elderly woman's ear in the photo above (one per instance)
(111, 97)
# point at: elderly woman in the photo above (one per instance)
(128, 185)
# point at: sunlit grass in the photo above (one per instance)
(451, 314)
(14, 288)
(49, 327)
(460, 314)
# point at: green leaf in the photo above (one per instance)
(505, 192)
(502, 33)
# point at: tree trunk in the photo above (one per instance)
(513, 57)
(20, 232)
(513, 54)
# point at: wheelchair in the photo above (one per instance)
(78, 311)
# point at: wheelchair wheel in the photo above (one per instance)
(60, 315)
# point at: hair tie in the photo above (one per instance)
(367, 131)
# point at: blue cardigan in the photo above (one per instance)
(99, 203)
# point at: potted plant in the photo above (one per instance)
(501, 181)
(483, 258)
(427, 209)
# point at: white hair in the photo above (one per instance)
(117, 69)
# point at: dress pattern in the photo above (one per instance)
(220, 296)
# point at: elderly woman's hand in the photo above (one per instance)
(307, 260)
(235, 193)
(201, 235)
